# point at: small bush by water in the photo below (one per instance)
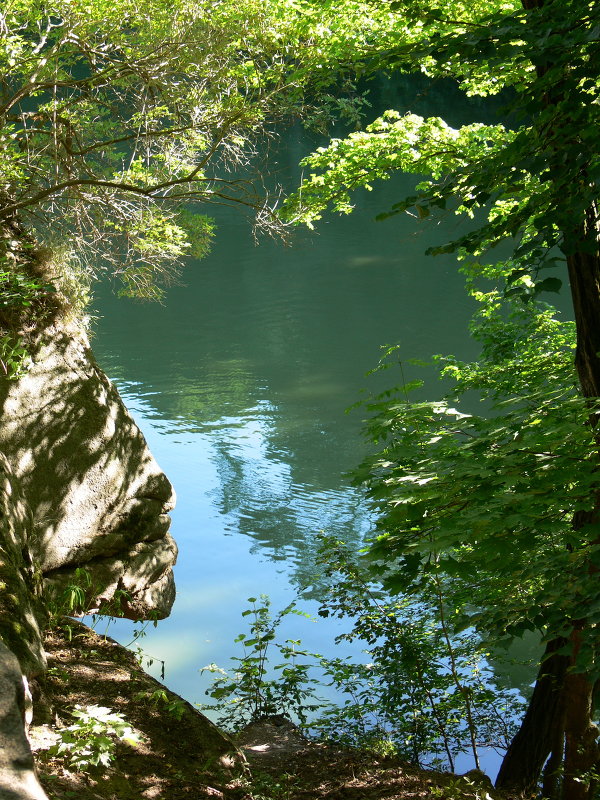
(422, 692)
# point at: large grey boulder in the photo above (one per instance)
(82, 504)
(18, 780)
(20, 603)
(96, 497)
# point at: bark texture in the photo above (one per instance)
(537, 737)
(584, 277)
(581, 749)
(562, 698)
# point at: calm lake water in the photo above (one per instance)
(240, 382)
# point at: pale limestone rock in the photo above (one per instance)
(78, 488)
(20, 608)
(96, 496)
(18, 780)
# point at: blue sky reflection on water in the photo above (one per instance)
(240, 383)
(218, 569)
(215, 580)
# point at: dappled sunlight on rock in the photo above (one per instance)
(96, 495)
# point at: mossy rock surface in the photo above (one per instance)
(20, 608)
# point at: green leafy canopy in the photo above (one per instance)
(532, 180)
(486, 499)
(121, 123)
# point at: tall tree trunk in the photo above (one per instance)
(537, 736)
(568, 704)
(562, 699)
(552, 777)
(584, 276)
(581, 751)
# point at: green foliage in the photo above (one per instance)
(23, 300)
(72, 280)
(90, 741)
(499, 507)
(19, 290)
(532, 184)
(73, 598)
(261, 786)
(14, 356)
(485, 500)
(174, 706)
(79, 596)
(463, 788)
(424, 694)
(252, 692)
(393, 142)
(120, 125)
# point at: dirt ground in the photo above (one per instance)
(270, 760)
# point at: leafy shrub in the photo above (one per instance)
(174, 706)
(90, 741)
(248, 693)
(20, 293)
(13, 356)
(19, 290)
(425, 690)
(422, 692)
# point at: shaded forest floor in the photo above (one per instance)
(173, 762)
